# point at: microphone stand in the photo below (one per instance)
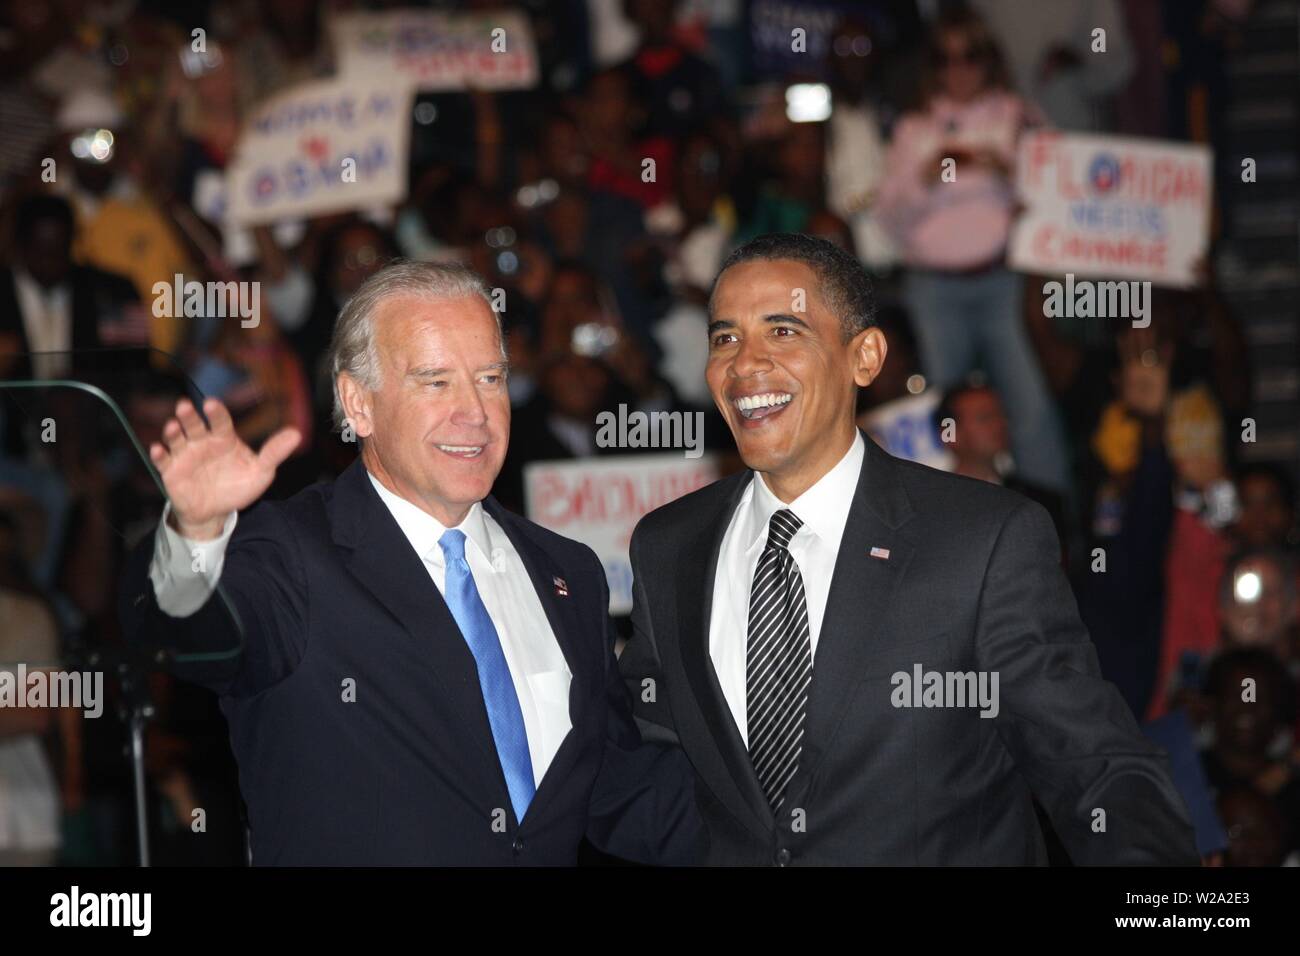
(135, 708)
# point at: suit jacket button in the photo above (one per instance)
(782, 857)
(518, 845)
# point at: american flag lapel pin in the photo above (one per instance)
(561, 588)
(882, 553)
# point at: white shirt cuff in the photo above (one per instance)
(185, 572)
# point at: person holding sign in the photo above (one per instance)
(948, 200)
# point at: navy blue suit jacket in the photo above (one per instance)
(327, 590)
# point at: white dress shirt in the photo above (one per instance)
(537, 664)
(47, 321)
(824, 511)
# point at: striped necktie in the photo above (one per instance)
(778, 664)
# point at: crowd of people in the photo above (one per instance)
(1181, 548)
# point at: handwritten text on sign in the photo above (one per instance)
(439, 51)
(599, 501)
(321, 147)
(1112, 206)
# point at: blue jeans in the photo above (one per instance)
(967, 321)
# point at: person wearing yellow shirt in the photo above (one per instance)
(120, 229)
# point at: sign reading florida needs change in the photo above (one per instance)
(598, 501)
(321, 147)
(1112, 207)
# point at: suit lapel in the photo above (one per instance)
(562, 614)
(382, 560)
(734, 780)
(862, 588)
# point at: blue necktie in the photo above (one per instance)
(498, 687)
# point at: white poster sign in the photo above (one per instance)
(1112, 207)
(322, 147)
(598, 501)
(492, 50)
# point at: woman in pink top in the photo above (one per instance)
(948, 200)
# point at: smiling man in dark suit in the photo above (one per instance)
(418, 676)
(868, 661)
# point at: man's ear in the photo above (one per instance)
(356, 404)
(869, 350)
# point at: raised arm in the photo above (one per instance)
(250, 635)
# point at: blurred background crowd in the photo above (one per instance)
(1177, 519)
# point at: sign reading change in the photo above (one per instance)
(322, 147)
(439, 51)
(1112, 207)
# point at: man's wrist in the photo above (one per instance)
(202, 531)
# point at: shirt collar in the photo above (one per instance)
(424, 531)
(25, 283)
(823, 508)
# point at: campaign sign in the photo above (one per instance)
(1112, 207)
(438, 51)
(905, 428)
(598, 501)
(322, 147)
(793, 37)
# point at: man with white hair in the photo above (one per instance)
(412, 674)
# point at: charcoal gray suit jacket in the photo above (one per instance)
(971, 583)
